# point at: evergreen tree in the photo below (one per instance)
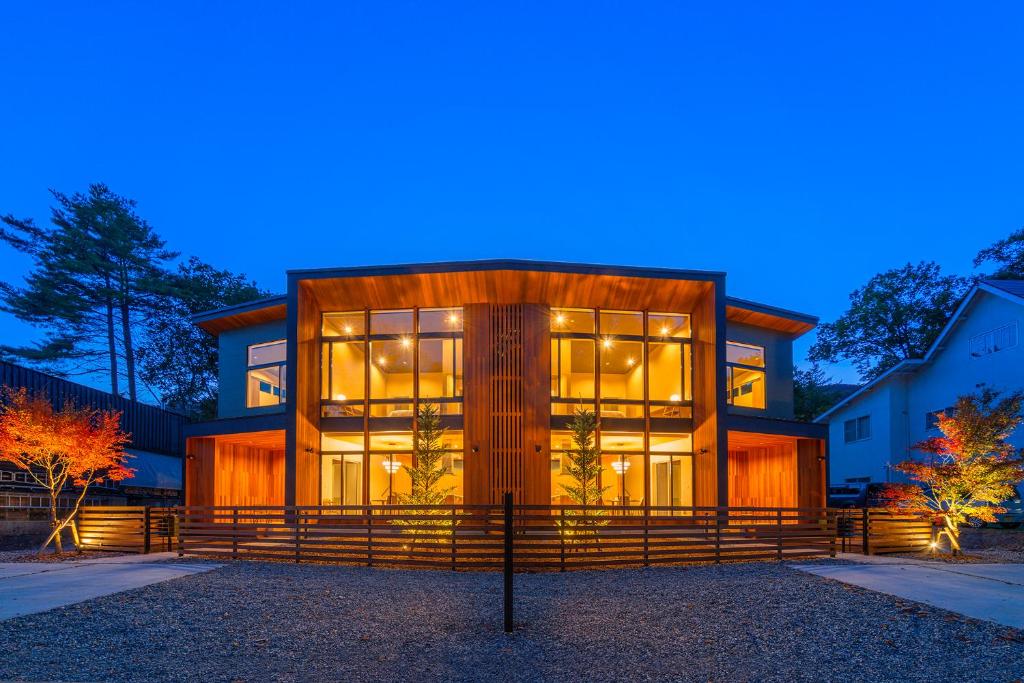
(426, 474)
(814, 392)
(584, 468)
(98, 271)
(178, 359)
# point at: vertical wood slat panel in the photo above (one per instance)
(307, 400)
(506, 408)
(705, 402)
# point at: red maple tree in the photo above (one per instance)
(969, 470)
(71, 448)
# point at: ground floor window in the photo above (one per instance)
(356, 470)
(667, 482)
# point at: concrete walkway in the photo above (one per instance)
(30, 587)
(993, 592)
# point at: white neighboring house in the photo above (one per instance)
(875, 427)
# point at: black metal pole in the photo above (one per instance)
(507, 506)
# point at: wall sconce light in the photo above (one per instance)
(475, 448)
(310, 450)
(190, 456)
(536, 448)
(702, 451)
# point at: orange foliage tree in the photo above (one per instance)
(73, 447)
(971, 469)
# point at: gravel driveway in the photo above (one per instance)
(743, 622)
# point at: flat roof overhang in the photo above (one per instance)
(505, 281)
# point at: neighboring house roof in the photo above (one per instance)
(737, 310)
(1011, 290)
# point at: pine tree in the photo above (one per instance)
(98, 272)
(426, 474)
(584, 468)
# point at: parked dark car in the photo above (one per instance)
(1014, 515)
(856, 495)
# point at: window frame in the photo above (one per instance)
(730, 365)
(859, 434)
(282, 369)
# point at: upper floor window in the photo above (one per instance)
(745, 376)
(987, 343)
(611, 358)
(931, 419)
(265, 379)
(857, 429)
(384, 361)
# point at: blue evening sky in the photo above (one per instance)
(799, 147)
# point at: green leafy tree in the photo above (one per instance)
(425, 474)
(896, 315)
(178, 359)
(814, 392)
(970, 469)
(1007, 254)
(584, 468)
(98, 272)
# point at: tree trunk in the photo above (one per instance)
(111, 344)
(129, 349)
(53, 524)
(954, 536)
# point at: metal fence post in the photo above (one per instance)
(507, 508)
(146, 539)
(180, 524)
(832, 528)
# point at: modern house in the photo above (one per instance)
(878, 425)
(319, 388)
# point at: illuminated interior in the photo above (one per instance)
(385, 458)
(745, 376)
(266, 376)
(390, 366)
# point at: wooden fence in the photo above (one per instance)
(472, 536)
(877, 531)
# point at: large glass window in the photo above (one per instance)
(376, 367)
(343, 385)
(622, 468)
(745, 376)
(572, 374)
(671, 475)
(627, 358)
(265, 378)
(341, 469)
(622, 377)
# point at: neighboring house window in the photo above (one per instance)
(265, 380)
(745, 375)
(931, 420)
(857, 429)
(987, 343)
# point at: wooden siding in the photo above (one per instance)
(236, 469)
(200, 470)
(773, 322)
(152, 429)
(249, 475)
(706, 412)
(306, 398)
(234, 321)
(811, 472)
(763, 476)
(507, 287)
(477, 399)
